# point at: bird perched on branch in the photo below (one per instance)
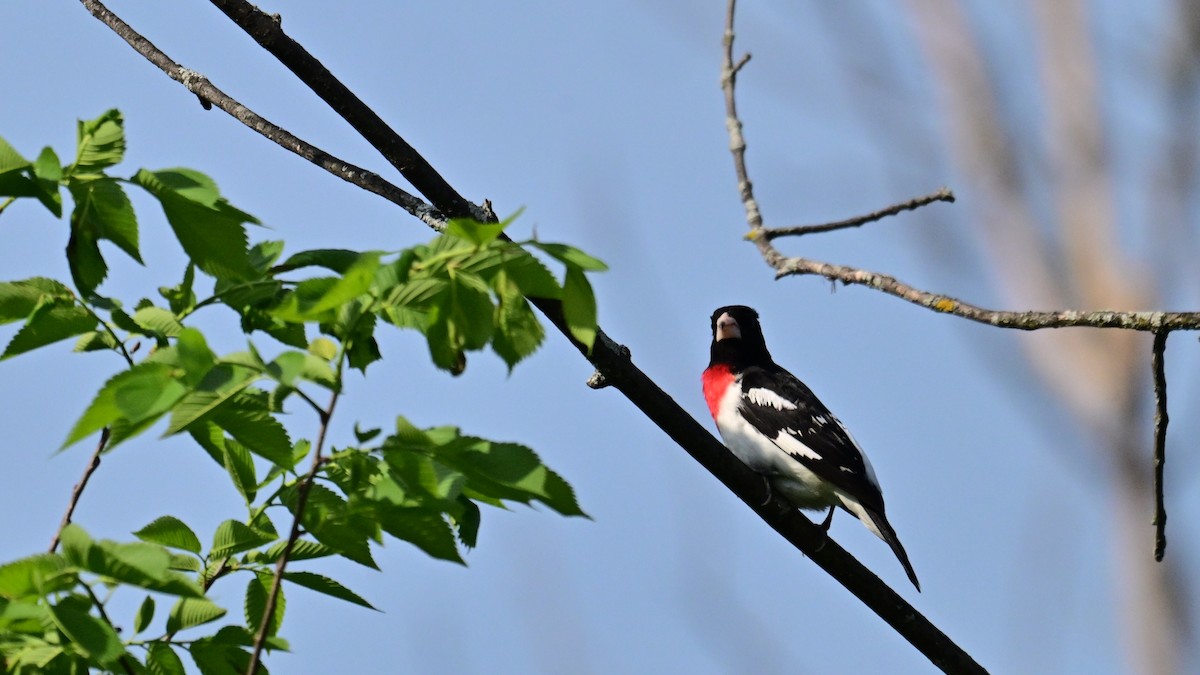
(774, 423)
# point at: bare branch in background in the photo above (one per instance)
(77, 491)
(1160, 442)
(942, 195)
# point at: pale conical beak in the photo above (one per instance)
(727, 328)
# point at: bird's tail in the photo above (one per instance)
(879, 524)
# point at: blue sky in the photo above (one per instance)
(605, 121)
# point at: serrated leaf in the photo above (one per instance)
(139, 394)
(145, 615)
(327, 520)
(222, 384)
(161, 659)
(571, 256)
(100, 143)
(255, 605)
(291, 366)
(158, 321)
(518, 331)
(27, 577)
(467, 522)
(10, 159)
(248, 419)
(104, 210)
(170, 531)
(240, 466)
(302, 549)
(508, 471)
(48, 171)
(427, 531)
(314, 299)
(333, 259)
(579, 307)
(90, 635)
(181, 298)
(480, 234)
(49, 324)
(264, 253)
(209, 229)
(18, 299)
(189, 612)
(94, 341)
(233, 537)
(323, 584)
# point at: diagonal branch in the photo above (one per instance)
(77, 491)
(618, 370)
(206, 91)
(1160, 441)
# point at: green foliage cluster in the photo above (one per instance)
(464, 291)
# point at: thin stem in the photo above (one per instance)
(77, 491)
(302, 491)
(1157, 358)
(124, 660)
(942, 195)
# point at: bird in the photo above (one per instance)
(776, 426)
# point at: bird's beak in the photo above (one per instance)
(727, 327)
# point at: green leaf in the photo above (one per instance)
(162, 660)
(428, 531)
(94, 341)
(145, 615)
(181, 298)
(100, 143)
(84, 259)
(508, 471)
(257, 590)
(170, 531)
(302, 549)
(480, 234)
(240, 466)
(579, 307)
(323, 584)
(291, 366)
(18, 299)
(139, 394)
(48, 171)
(48, 324)
(92, 636)
(103, 209)
(234, 537)
(195, 356)
(158, 321)
(334, 259)
(264, 253)
(248, 419)
(222, 384)
(189, 612)
(10, 159)
(518, 331)
(329, 521)
(571, 256)
(33, 576)
(315, 299)
(209, 229)
(468, 522)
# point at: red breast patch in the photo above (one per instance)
(716, 380)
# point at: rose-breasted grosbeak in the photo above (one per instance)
(777, 427)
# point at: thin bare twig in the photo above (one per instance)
(941, 195)
(1160, 441)
(77, 491)
(302, 491)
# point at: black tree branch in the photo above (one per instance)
(1160, 441)
(615, 366)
